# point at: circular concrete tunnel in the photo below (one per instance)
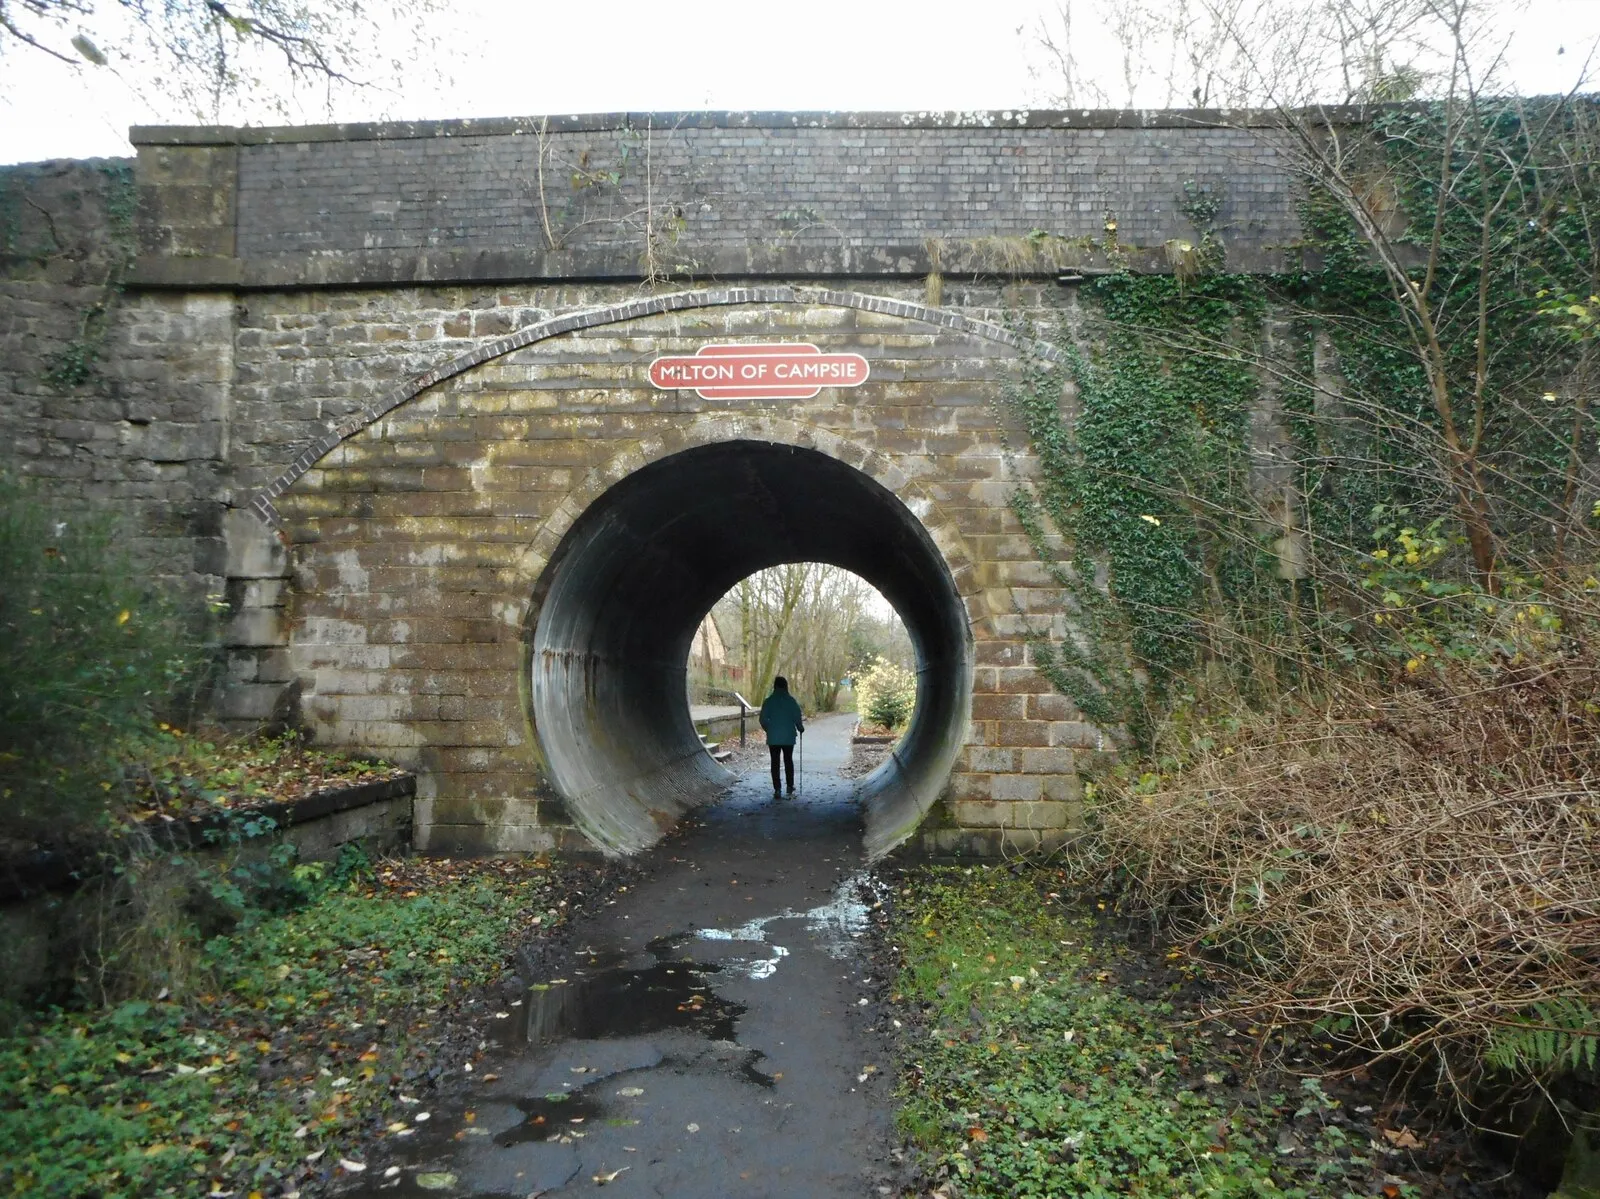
(621, 598)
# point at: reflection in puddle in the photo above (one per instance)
(550, 1117)
(834, 924)
(625, 1003)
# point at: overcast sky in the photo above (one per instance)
(530, 57)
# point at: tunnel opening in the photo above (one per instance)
(619, 603)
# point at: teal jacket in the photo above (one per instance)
(780, 717)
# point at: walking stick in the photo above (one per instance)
(800, 766)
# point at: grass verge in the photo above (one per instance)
(1029, 1066)
(322, 1028)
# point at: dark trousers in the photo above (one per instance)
(788, 763)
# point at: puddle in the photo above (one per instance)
(835, 925)
(626, 1003)
(550, 1117)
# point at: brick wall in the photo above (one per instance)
(704, 194)
(805, 187)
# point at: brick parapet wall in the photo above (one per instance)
(706, 196)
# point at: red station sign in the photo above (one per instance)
(783, 371)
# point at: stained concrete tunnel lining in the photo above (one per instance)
(618, 605)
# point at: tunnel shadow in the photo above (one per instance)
(617, 606)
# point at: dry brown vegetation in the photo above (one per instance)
(1416, 867)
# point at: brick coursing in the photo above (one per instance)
(808, 187)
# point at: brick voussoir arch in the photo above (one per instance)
(263, 503)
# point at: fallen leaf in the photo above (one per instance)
(602, 1179)
(353, 1167)
(977, 1134)
(438, 1181)
(630, 1092)
(693, 1127)
(1402, 1138)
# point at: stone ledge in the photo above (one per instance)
(743, 260)
(45, 870)
(989, 844)
(1008, 118)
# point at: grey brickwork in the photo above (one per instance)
(813, 188)
(698, 195)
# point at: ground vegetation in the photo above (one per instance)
(1044, 1051)
(310, 1039)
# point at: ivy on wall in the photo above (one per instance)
(1178, 571)
(1140, 483)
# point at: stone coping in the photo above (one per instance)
(993, 118)
(50, 870)
(403, 267)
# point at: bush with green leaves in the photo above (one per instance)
(91, 650)
(886, 693)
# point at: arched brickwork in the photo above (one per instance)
(423, 529)
(263, 504)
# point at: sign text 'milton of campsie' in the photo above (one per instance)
(787, 371)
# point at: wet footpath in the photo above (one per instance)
(708, 1037)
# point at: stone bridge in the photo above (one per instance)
(387, 387)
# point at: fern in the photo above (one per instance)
(1562, 1033)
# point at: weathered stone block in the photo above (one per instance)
(1052, 707)
(991, 760)
(1022, 733)
(1068, 788)
(255, 626)
(1019, 787)
(1076, 734)
(1000, 707)
(1055, 760)
(253, 551)
(968, 785)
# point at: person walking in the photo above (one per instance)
(781, 719)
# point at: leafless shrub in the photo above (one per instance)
(1414, 868)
